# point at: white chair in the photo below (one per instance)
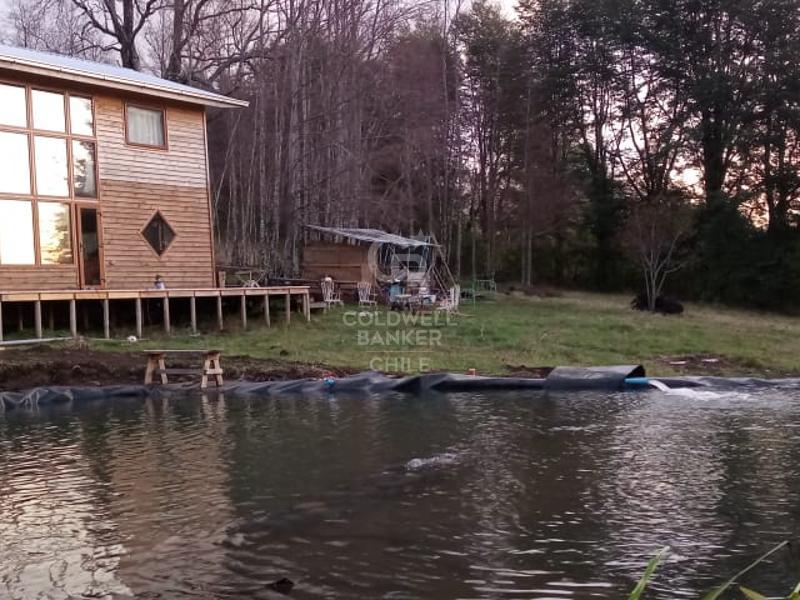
(450, 304)
(329, 294)
(455, 296)
(365, 295)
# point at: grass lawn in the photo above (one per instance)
(500, 337)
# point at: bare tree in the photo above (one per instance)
(652, 236)
(325, 127)
(196, 41)
(53, 26)
(649, 125)
(121, 21)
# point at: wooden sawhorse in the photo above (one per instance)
(157, 365)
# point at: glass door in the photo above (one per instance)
(91, 264)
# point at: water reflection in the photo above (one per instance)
(57, 535)
(512, 496)
(55, 237)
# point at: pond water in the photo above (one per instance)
(503, 495)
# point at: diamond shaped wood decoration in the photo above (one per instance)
(158, 233)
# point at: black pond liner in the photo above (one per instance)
(562, 379)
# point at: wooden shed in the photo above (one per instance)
(345, 263)
(374, 256)
(103, 176)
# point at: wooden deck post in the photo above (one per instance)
(80, 303)
(37, 317)
(167, 324)
(193, 313)
(138, 318)
(73, 318)
(106, 319)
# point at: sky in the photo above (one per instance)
(3, 9)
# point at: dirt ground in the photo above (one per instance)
(74, 364)
(27, 367)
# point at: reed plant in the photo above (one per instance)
(715, 593)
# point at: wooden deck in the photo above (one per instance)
(106, 297)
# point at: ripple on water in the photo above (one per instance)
(503, 496)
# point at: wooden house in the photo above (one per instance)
(103, 177)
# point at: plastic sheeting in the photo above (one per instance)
(372, 236)
(61, 395)
(561, 379)
(592, 378)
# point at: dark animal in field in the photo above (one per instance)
(664, 304)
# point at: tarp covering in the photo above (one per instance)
(592, 378)
(561, 379)
(363, 383)
(372, 236)
(371, 382)
(61, 395)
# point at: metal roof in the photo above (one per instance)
(372, 236)
(108, 76)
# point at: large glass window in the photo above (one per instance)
(145, 126)
(81, 120)
(16, 233)
(51, 166)
(15, 173)
(47, 163)
(55, 237)
(13, 108)
(48, 110)
(83, 169)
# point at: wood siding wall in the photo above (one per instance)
(341, 262)
(134, 183)
(43, 277)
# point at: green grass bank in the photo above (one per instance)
(518, 334)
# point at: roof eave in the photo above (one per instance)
(116, 83)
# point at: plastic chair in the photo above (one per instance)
(451, 303)
(329, 294)
(365, 295)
